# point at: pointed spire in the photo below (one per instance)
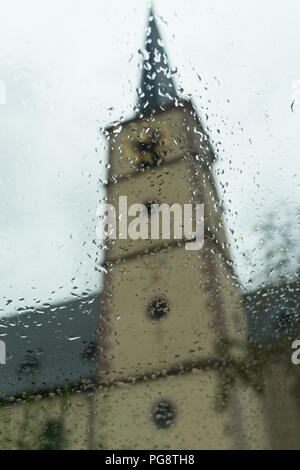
(157, 87)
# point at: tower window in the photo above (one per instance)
(30, 364)
(158, 309)
(90, 351)
(164, 414)
(285, 321)
(52, 437)
(146, 148)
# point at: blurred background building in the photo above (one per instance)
(169, 354)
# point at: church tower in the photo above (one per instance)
(174, 322)
(173, 371)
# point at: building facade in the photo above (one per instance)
(173, 337)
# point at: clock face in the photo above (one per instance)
(146, 148)
(149, 142)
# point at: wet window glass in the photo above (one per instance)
(150, 225)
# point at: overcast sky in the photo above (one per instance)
(71, 67)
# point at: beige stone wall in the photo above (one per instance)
(199, 424)
(129, 423)
(199, 315)
(281, 405)
(165, 184)
(121, 417)
(23, 423)
(179, 133)
(201, 290)
(173, 359)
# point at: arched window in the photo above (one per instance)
(52, 437)
(158, 308)
(164, 414)
(146, 147)
(29, 365)
(90, 352)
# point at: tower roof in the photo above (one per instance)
(157, 87)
